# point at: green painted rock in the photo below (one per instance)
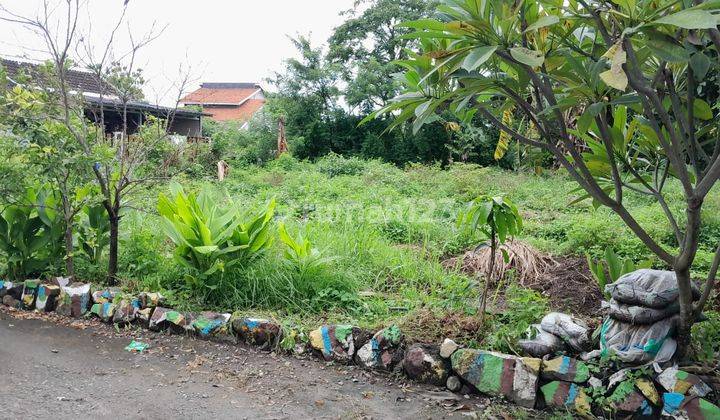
(566, 395)
(126, 311)
(29, 293)
(681, 382)
(47, 296)
(260, 332)
(214, 326)
(384, 350)
(336, 342)
(566, 369)
(164, 318)
(512, 377)
(628, 402)
(105, 295)
(423, 363)
(679, 406)
(105, 311)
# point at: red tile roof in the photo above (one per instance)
(235, 113)
(218, 96)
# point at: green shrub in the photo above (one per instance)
(524, 308)
(334, 165)
(706, 337)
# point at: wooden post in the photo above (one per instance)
(281, 142)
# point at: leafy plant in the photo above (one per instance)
(30, 232)
(210, 239)
(615, 266)
(300, 254)
(497, 218)
(94, 232)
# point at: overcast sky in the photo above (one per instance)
(223, 40)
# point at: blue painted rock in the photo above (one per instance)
(383, 351)
(214, 326)
(29, 293)
(626, 401)
(423, 363)
(47, 296)
(151, 299)
(258, 332)
(74, 300)
(164, 318)
(515, 378)
(566, 395)
(126, 311)
(679, 406)
(566, 369)
(335, 342)
(105, 295)
(105, 311)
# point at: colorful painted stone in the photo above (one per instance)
(566, 395)
(679, 406)
(105, 295)
(515, 378)
(647, 388)
(126, 311)
(47, 296)
(383, 351)
(12, 289)
(151, 299)
(212, 325)
(144, 315)
(4, 287)
(105, 311)
(681, 382)
(74, 300)
(423, 363)
(164, 318)
(627, 401)
(566, 369)
(61, 281)
(258, 332)
(335, 342)
(29, 293)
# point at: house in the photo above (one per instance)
(228, 101)
(99, 99)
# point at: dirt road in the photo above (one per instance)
(81, 369)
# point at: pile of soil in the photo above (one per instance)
(570, 288)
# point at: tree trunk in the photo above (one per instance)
(69, 250)
(488, 277)
(687, 315)
(112, 257)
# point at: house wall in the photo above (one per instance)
(186, 126)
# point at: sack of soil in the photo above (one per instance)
(640, 315)
(571, 330)
(540, 343)
(646, 287)
(639, 344)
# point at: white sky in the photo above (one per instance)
(222, 40)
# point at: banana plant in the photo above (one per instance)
(210, 239)
(30, 233)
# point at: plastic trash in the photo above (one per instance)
(137, 347)
(572, 331)
(640, 314)
(646, 287)
(639, 344)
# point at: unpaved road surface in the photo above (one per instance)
(59, 368)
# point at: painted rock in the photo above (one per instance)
(258, 332)
(105, 311)
(126, 311)
(151, 300)
(105, 295)
(383, 351)
(515, 378)
(3, 287)
(566, 395)
(164, 318)
(10, 301)
(29, 293)
(143, 316)
(73, 300)
(690, 407)
(647, 388)
(681, 382)
(447, 348)
(47, 296)
(335, 342)
(423, 363)
(12, 289)
(61, 281)
(627, 401)
(566, 369)
(213, 325)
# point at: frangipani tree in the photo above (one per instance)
(618, 91)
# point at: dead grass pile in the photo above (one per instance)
(528, 263)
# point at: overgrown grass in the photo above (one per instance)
(388, 230)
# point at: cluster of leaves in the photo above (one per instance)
(615, 267)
